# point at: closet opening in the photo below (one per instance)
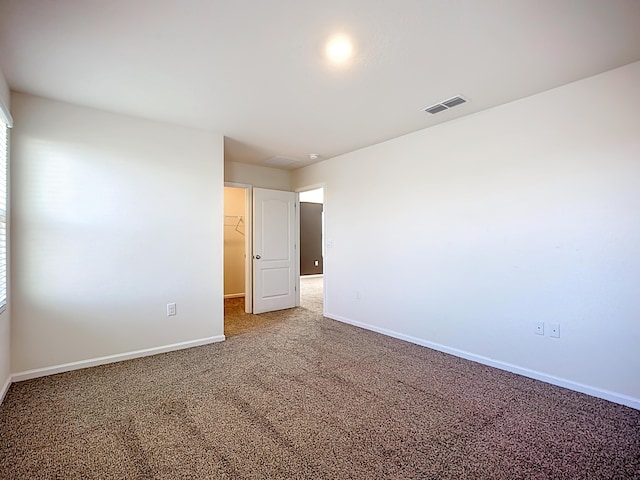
(237, 248)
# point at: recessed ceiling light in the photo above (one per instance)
(339, 49)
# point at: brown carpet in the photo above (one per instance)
(293, 395)
(236, 321)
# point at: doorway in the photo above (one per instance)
(239, 230)
(312, 253)
(237, 247)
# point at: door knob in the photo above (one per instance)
(258, 257)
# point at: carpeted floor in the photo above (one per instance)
(236, 321)
(292, 395)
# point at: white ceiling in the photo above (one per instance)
(254, 70)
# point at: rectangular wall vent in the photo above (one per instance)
(446, 104)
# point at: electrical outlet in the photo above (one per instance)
(171, 309)
(316, 263)
(554, 330)
(539, 328)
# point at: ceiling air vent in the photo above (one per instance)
(280, 161)
(436, 109)
(446, 105)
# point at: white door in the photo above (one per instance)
(275, 275)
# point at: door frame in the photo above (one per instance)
(248, 247)
(325, 260)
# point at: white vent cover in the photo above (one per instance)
(280, 161)
(446, 104)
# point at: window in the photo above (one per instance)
(4, 153)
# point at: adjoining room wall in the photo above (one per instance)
(257, 176)
(113, 218)
(234, 241)
(464, 235)
(5, 316)
(310, 238)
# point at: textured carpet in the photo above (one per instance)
(237, 321)
(294, 395)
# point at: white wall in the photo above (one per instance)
(257, 176)
(463, 235)
(235, 228)
(113, 218)
(5, 320)
(312, 196)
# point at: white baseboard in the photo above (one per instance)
(560, 382)
(93, 362)
(5, 389)
(234, 295)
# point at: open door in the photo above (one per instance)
(275, 275)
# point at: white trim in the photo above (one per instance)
(248, 249)
(560, 382)
(5, 114)
(93, 362)
(297, 247)
(314, 186)
(314, 275)
(5, 389)
(237, 185)
(234, 295)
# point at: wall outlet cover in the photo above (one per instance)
(554, 330)
(539, 330)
